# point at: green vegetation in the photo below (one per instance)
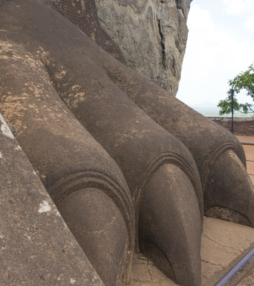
(243, 81)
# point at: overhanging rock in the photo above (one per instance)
(151, 34)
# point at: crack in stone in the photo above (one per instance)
(104, 227)
(221, 244)
(211, 263)
(147, 264)
(162, 43)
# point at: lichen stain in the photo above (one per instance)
(83, 5)
(60, 74)
(5, 47)
(11, 109)
(75, 87)
(44, 207)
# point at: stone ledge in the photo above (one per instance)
(242, 125)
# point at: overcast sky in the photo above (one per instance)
(220, 45)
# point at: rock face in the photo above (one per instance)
(152, 35)
(83, 14)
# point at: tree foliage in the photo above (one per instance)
(245, 80)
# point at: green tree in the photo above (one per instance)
(245, 80)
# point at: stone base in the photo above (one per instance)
(223, 245)
(242, 125)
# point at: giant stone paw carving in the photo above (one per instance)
(127, 165)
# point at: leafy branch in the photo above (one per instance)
(245, 80)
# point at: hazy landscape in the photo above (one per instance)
(210, 109)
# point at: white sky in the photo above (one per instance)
(220, 46)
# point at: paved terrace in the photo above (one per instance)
(223, 245)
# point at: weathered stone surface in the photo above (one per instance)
(248, 149)
(233, 190)
(248, 280)
(225, 182)
(145, 273)
(83, 14)
(143, 150)
(243, 126)
(223, 245)
(67, 159)
(151, 34)
(104, 95)
(172, 189)
(36, 247)
(222, 195)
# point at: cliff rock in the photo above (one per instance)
(152, 35)
(83, 14)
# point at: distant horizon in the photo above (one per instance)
(205, 104)
(210, 109)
